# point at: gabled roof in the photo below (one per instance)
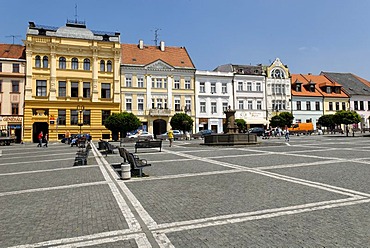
(352, 84)
(301, 79)
(12, 51)
(322, 81)
(177, 57)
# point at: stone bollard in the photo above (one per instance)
(125, 171)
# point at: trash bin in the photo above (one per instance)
(125, 171)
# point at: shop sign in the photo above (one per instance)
(12, 118)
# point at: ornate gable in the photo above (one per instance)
(159, 65)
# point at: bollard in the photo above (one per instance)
(125, 171)
(1, 153)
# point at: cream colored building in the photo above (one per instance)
(156, 83)
(72, 78)
(12, 78)
(278, 91)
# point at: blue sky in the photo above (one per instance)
(308, 36)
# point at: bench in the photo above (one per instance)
(108, 147)
(148, 144)
(82, 155)
(135, 162)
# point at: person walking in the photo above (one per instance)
(286, 134)
(41, 135)
(170, 137)
(46, 140)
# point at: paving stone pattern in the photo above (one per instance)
(310, 192)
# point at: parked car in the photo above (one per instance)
(259, 131)
(202, 133)
(177, 134)
(141, 135)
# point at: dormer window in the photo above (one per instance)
(312, 88)
(298, 87)
(328, 89)
(337, 90)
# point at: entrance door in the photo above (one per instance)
(37, 127)
(159, 127)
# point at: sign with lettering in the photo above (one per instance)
(12, 118)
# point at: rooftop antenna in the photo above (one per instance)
(156, 35)
(13, 36)
(76, 13)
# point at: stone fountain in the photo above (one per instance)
(231, 136)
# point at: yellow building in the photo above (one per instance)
(72, 80)
(156, 83)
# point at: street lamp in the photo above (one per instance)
(80, 109)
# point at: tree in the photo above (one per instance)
(121, 123)
(327, 121)
(346, 117)
(181, 121)
(241, 124)
(282, 120)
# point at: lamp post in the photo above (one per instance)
(80, 109)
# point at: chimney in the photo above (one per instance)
(141, 44)
(162, 46)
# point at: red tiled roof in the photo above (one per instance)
(320, 81)
(305, 88)
(12, 51)
(174, 56)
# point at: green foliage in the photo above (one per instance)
(241, 124)
(122, 123)
(347, 117)
(181, 121)
(282, 120)
(327, 121)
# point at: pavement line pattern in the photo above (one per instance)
(39, 155)
(32, 162)
(56, 242)
(51, 188)
(128, 215)
(263, 216)
(259, 212)
(49, 170)
(140, 239)
(326, 187)
(158, 231)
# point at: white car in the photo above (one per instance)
(176, 134)
(142, 135)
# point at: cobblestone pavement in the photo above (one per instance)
(311, 192)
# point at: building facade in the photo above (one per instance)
(358, 89)
(248, 93)
(72, 80)
(12, 81)
(156, 83)
(307, 100)
(213, 94)
(278, 91)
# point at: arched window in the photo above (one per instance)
(109, 66)
(277, 73)
(45, 62)
(62, 63)
(74, 64)
(86, 64)
(38, 61)
(102, 65)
